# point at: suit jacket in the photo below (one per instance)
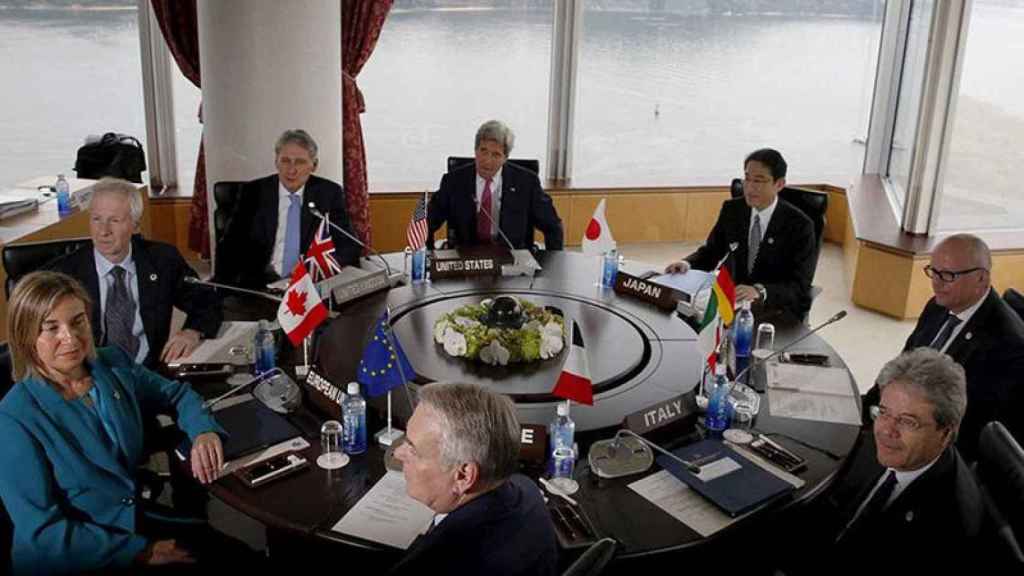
(524, 206)
(941, 510)
(70, 494)
(162, 287)
(786, 258)
(244, 255)
(506, 531)
(990, 347)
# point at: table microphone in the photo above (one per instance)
(230, 288)
(315, 212)
(836, 318)
(531, 265)
(614, 457)
(508, 242)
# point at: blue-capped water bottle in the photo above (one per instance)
(264, 348)
(353, 415)
(419, 265)
(561, 430)
(610, 268)
(63, 195)
(743, 334)
(719, 414)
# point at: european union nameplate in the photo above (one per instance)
(325, 394)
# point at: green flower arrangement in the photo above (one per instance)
(527, 333)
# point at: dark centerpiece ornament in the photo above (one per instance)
(501, 331)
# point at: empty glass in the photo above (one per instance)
(331, 455)
(745, 404)
(764, 345)
(562, 470)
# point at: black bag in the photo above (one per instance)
(117, 155)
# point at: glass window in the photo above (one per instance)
(69, 73)
(980, 187)
(439, 72)
(909, 103)
(674, 93)
(187, 129)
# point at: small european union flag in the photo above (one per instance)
(378, 370)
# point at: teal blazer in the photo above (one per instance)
(70, 493)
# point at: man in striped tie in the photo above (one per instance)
(970, 322)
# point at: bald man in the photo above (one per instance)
(969, 321)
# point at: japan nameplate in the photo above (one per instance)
(636, 287)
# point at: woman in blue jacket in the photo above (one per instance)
(72, 430)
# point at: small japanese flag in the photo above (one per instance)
(597, 239)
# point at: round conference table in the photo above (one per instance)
(639, 355)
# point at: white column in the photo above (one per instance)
(268, 66)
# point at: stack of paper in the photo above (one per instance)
(13, 202)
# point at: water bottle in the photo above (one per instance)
(263, 347)
(353, 412)
(562, 429)
(610, 269)
(719, 414)
(743, 333)
(63, 196)
(419, 265)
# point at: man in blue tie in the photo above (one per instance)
(272, 226)
(970, 322)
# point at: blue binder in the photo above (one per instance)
(737, 492)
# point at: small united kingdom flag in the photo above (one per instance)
(320, 256)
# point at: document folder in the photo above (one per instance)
(251, 427)
(736, 492)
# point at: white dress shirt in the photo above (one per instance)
(131, 279)
(284, 201)
(495, 198)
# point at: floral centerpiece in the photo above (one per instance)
(501, 331)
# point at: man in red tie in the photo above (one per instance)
(490, 198)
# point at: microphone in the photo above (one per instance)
(519, 266)
(620, 456)
(315, 212)
(230, 288)
(274, 389)
(835, 318)
(508, 242)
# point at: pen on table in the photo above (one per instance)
(783, 388)
(565, 521)
(778, 447)
(554, 490)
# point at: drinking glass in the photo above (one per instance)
(331, 455)
(562, 472)
(763, 348)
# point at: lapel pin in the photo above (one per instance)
(910, 516)
(968, 336)
(771, 240)
(117, 395)
(152, 277)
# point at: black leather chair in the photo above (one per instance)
(811, 202)
(1016, 301)
(1000, 470)
(20, 259)
(593, 561)
(226, 196)
(6, 378)
(530, 164)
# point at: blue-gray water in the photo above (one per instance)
(663, 98)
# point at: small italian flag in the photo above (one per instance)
(719, 313)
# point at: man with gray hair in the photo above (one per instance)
(272, 226)
(908, 498)
(135, 283)
(459, 458)
(968, 320)
(490, 197)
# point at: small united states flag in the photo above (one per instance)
(416, 234)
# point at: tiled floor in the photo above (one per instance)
(865, 339)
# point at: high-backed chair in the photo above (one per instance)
(593, 561)
(20, 259)
(226, 196)
(1015, 300)
(1000, 470)
(531, 164)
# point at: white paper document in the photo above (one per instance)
(818, 393)
(218, 350)
(677, 499)
(386, 514)
(691, 282)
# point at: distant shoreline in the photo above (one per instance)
(72, 8)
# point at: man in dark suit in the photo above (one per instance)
(135, 283)
(474, 199)
(908, 497)
(968, 320)
(774, 251)
(272, 226)
(459, 459)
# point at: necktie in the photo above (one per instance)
(754, 243)
(874, 505)
(483, 221)
(291, 236)
(945, 332)
(120, 314)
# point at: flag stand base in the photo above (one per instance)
(301, 371)
(388, 437)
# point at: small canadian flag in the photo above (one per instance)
(301, 309)
(597, 239)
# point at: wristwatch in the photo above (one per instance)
(761, 291)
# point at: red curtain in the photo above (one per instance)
(361, 23)
(180, 27)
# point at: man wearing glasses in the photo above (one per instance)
(970, 322)
(908, 498)
(772, 241)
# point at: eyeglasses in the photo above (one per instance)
(903, 423)
(948, 276)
